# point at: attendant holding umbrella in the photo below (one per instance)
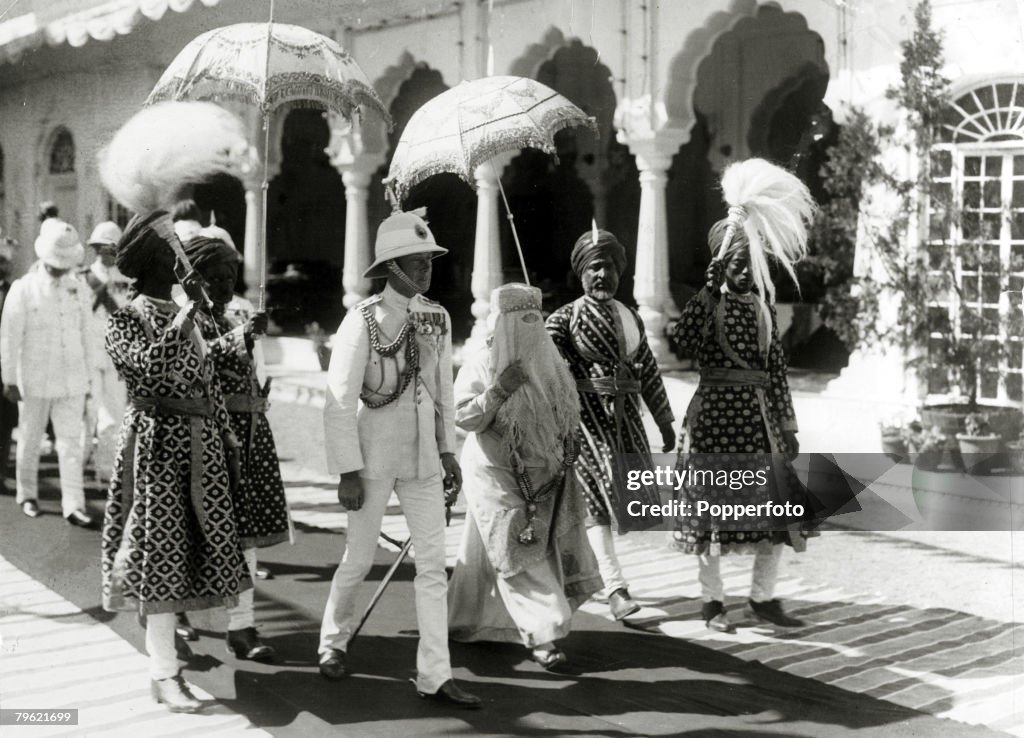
(261, 510)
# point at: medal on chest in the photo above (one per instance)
(430, 327)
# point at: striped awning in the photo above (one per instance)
(75, 23)
(35, 23)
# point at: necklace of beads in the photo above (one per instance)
(412, 356)
(569, 452)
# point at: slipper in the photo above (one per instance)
(549, 659)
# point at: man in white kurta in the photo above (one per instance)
(389, 427)
(46, 342)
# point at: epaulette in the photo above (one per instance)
(371, 300)
(428, 301)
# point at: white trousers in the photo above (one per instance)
(243, 614)
(104, 421)
(163, 659)
(423, 506)
(67, 414)
(603, 544)
(762, 579)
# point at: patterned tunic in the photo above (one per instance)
(591, 338)
(169, 538)
(737, 417)
(261, 510)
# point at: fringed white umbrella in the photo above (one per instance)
(273, 66)
(471, 123)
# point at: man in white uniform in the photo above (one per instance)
(46, 342)
(389, 427)
(109, 294)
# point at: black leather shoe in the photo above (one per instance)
(30, 508)
(174, 693)
(245, 644)
(333, 665)
(713, 613)
(772, 612)
(450, 693)
(621, 604)
(183, 628)
(79, 519)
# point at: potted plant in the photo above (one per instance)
(1016, 452)
(894, 440)
(926, 445)
(978, 445)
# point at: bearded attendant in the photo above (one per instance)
(389, 426)
(525, 564)
(605, 346)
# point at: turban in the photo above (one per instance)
(585, 251)
(204, 251)
(717, 234)
(138, 244)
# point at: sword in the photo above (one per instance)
(402, 553)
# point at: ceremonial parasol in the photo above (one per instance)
(471, 123)
(273, 66)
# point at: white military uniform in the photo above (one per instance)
(396, 448)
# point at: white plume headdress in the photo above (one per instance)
(161, 150)
(774, 208)
(164, 149)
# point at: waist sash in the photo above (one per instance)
(609, 386)
(195, 409)
(723, 377)
(246, 404)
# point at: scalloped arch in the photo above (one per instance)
(685, 65)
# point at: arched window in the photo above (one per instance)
(62, 153)
(977, 211)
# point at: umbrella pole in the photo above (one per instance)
(512, 224)
(261, 253)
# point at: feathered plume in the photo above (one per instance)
(164, 148)
(774, 208)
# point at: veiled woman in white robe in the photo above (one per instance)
(521, 572)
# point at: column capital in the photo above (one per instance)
(347, 153)
(491, 170)
(653, 149)
(355, 178)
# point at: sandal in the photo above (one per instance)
(549, 658)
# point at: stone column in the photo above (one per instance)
(253, 214)
(487, 268)
(358, 250)
(654, 152)
(356, 166)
